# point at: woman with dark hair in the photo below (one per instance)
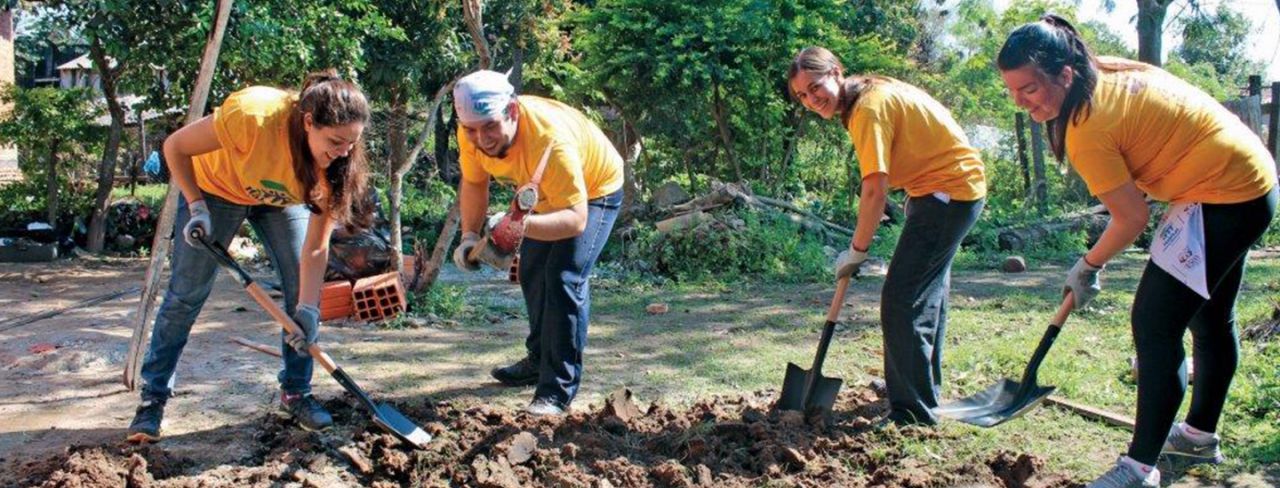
(1130, 128)
(292, 164)
(903, 139)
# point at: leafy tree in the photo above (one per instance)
(1221, 40)
(45, 124)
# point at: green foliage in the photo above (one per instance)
(25, 201)
(444, 301)
(1220, 40)
(749, 244)
(423, 209)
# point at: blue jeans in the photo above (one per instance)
(554, 276)
(913, 303)
(281, 230)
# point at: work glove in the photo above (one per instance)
(461, 253)
(307, 317)
(199, 220)
(847, 263)
(1082, 282)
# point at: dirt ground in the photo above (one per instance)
(63, 409)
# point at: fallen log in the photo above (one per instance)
(1024, 236)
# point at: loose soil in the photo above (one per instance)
(722, 442)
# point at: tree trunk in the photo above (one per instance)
(51, 186)
(1151, 15)
(472, 11)
(793, 141)
(107, 166)
(397, 142)
(726, 136)
(444, 161)
(402, 167)
(631, 148)
(1020, 126)
(1041, 185)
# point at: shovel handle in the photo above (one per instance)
(1064, 310)
(259, 295)
(842, 286)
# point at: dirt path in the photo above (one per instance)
(218, 428)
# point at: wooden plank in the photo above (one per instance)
(262, 348)
(1092, 413)
(164, 227)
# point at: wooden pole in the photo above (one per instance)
(1255, 85)
(1273, 121)
(164, 228)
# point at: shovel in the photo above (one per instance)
(809, 390)
(384, 415)
(1009, 399)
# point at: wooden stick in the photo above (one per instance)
(22, 320)
(262, 348)
(1112, 419)
(164, 227)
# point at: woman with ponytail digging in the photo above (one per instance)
(292, 164)
(1131, 129)
(903, 139)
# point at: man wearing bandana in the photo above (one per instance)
(568, 178)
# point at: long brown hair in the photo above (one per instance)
(820, 60)
(1052, 44)
(332, 102)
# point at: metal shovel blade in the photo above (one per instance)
(821, 396)
(997, 404)
(391, 419)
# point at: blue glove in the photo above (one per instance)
(308, 319)
(152, 166)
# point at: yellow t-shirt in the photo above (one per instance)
(583, 164)
(1175, 142)
(899, 130)
(254, 165)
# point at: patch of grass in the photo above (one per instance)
(150, 194)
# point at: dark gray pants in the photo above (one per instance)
(913, 303)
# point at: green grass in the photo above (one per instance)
(723, 337)
(152, 194)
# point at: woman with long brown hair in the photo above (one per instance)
(1130, 129)
(903, 139)
(292, 164)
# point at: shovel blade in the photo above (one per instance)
(1001, 402)
(395, 422)
(821, 397)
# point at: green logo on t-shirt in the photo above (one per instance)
(272, 193)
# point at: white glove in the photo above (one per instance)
(848, 261)
(199, 220)
(461, 253)
(1082, 282)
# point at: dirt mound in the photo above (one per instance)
(723, 442)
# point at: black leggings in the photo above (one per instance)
(1163, 310)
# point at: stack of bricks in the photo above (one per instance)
(378, 297)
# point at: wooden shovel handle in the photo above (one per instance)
(1064, 310)
(842, 286)
(276, 313)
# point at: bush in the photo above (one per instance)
(737, 243)
(423, 208)
(23, 202)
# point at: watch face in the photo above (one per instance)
(526, 198)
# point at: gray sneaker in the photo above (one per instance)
(1121, 476)
(1180, 452)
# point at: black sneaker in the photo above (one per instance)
(306, 411)
(522, 373)
(146, 422)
